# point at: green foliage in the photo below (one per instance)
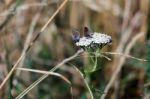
(45, 53)
(148, 62)
(148, 48)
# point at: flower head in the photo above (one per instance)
(84, 41)
(96, 38)
(99, 38)
(91, 39)
(91, 42)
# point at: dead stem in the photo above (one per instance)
(31, 44)
(120, 65)
(46, 75)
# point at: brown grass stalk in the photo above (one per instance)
(120, 64)
(31, 44)
(45, 72)
(46, 75)
(29, 38)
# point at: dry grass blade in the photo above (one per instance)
(31, 44)
(46, 75)
(100, 55)
(125, 55)
(86, 83)
(28, 39)
(10, 15)
(45, 72)
(116, 72)
(52, 17)
(147, 84)
(116, 53)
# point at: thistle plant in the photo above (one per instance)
(91, 42)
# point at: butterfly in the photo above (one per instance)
(75, 35)
(87, 32)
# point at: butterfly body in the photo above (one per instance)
(75, 36)
(87, 33)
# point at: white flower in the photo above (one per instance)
(100, 38)
(96, 38)
(84, 41)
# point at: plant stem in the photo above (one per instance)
(88, 51)
(95, 62)
(31, 45)
(85, 81)
(89, 89)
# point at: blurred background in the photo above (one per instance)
(126, 21)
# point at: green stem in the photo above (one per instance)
(89, 89)
(95, 62)
(85, 81)
(88, 51)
